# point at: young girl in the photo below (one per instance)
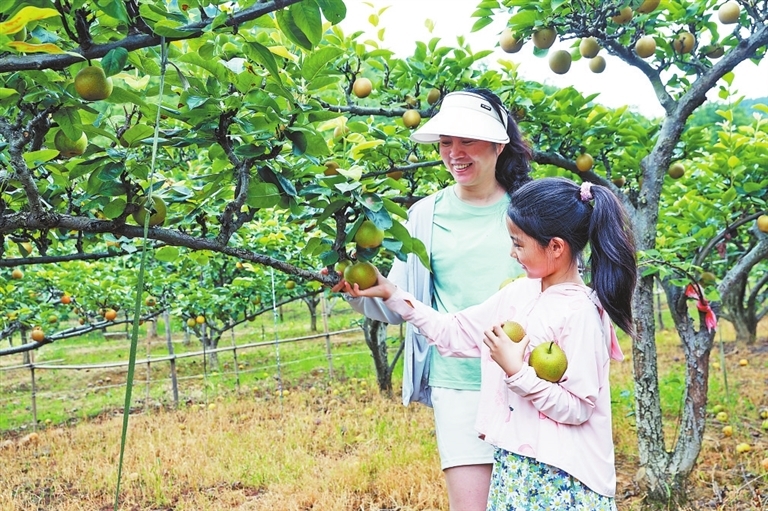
(553, 441)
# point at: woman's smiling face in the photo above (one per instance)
(470, 161)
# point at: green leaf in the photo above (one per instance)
(137, 133)
(34, 158)
(262, 55)
(115, 9)
(122, 96)
(69, 121)
(523, 20)
(299, 142)
(315, 143)
(306, 14)
(395, 208)
(333, 10)
(311, 246)
(289, 27)
(481, 13)
(372, 202)
(318, 60)
(400, 233)
(481, 23)
(167, 254)
(420, 250)
(5, 93)
(355, 151)
(329, 258)
(115, 208)
(331, 209)
(481, 54)
(380, 217)
(114, 61)
(200, 258)
(262, 195)
(729, 195)
(170, 29)
(353, 173)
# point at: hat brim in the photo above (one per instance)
(462, 123)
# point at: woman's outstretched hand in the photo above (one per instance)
(383, 288)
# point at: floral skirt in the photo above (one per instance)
(520, 483)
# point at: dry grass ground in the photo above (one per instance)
(340, 446)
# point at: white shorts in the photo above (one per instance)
(457, 440)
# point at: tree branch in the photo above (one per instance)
(168, 236)
(134, 41)
(19, 261)
(706, 249)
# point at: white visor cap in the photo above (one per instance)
(464, 115)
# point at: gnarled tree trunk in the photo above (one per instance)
(376, 338)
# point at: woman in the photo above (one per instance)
(464, 231)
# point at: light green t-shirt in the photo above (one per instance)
(470, 259)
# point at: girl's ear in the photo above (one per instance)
(558, 246)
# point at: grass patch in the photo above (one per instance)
(321, 443)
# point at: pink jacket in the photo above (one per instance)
(565, 424)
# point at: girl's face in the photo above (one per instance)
(470, 162)
(537, 261)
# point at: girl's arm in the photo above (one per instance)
(573, 399)
(459, 334)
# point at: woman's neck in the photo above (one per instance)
(480, 195)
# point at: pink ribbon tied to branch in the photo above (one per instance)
(710, 320)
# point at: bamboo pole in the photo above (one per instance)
(328, 353)
(172, 359)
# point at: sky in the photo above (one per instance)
(619, 85)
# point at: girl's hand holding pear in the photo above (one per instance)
(508, 354)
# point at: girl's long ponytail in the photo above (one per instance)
(612, 260)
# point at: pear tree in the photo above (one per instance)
(693, 55)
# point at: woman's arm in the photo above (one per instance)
(373, 308)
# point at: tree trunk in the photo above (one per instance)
(312, 302)
(744, 308)
(659, 312)
(152, 328)
(743, 319)
(376, 338)
(653, 455)
(210, 343)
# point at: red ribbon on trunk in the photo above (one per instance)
(710, 320)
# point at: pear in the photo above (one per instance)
(514, 330)
(549, 361)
